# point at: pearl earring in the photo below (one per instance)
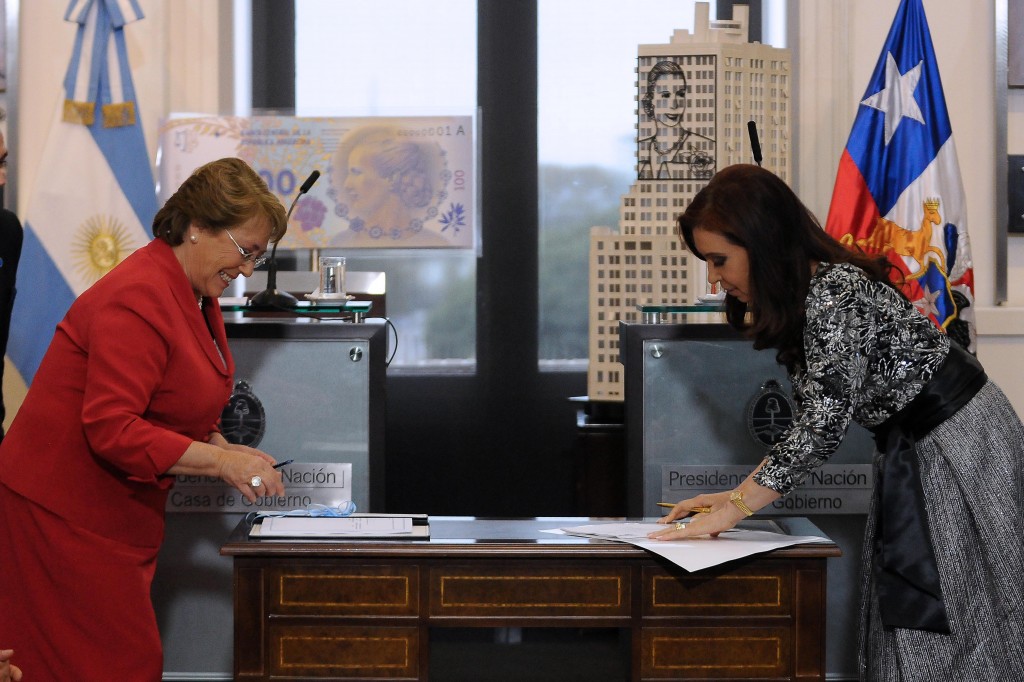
(194, 239)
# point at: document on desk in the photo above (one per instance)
(696, 553)
(371, 526)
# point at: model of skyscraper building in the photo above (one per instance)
(695, 97)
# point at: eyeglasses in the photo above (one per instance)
(247, 256)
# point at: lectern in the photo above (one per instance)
(691, 393)
(320, 387)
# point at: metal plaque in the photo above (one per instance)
(830, 489)
(305, 484)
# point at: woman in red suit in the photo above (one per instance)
(127, 396)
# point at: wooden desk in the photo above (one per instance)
(362, 610)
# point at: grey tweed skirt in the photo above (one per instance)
(972, 473)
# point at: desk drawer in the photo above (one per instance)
(341, 652)
(354, 590)
(716, 652)
(503, 590)
(741, 592)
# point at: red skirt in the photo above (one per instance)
(74, 605)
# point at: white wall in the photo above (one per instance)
(182, 63)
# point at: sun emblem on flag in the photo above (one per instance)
(102, 243)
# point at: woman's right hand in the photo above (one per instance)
(236, 467)
(241, 469)
(719, 517)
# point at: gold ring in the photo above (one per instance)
(680, 525)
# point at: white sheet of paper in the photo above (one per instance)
(696, 553)
(304, 526)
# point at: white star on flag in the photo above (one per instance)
(896, 99)
(926, 303)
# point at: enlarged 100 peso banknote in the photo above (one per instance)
(387, 182)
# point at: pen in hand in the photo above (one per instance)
(695, 510)
(284, 463)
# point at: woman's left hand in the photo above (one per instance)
(8, 671)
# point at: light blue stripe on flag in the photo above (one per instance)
(125, 152)
(43, 298)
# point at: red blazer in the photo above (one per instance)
(131, 378)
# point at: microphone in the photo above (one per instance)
(271, 296)
(313, 177)
(755, 146)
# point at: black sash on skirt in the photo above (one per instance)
(906, 576)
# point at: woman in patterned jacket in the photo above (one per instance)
(941, 594)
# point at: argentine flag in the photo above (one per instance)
(898, 190)
(94, 198)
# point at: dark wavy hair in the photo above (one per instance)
(754, 209)
(219, 195)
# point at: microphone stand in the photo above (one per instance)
(273, 297)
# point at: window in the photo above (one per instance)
(346, 65)
(554, 80)
(587, 60)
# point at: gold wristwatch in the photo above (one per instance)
(736, 497)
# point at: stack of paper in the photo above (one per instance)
(385, 526)
(695, 553)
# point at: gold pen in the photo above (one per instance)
(695, 510)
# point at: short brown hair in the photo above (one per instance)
(219, 195)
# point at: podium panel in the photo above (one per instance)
(689, 391)
(317, 395)
(316, 383)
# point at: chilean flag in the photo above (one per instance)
(898, 190)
